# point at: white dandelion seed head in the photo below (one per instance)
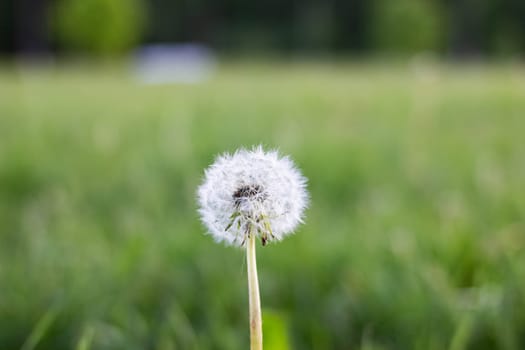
(252, 192)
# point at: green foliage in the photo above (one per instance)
(407, 26)
(275, 329)
(414, 239)
(99, 27)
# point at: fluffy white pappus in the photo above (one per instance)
(252, 192)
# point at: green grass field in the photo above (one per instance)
(415, 237)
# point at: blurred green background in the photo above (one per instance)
(453, 28)
(414, 239)
(407, 117)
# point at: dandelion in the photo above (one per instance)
(250, 195)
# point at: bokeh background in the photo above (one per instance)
(457, 28)
(407, 117)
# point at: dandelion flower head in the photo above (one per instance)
(252, 192)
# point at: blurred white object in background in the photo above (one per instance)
(174, 63)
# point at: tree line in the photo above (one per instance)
(108, 27)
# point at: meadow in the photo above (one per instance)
(414, 239)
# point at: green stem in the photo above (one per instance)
(254, 298)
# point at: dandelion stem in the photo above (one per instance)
(255, 301)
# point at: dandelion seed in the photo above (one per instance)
(252, 191)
